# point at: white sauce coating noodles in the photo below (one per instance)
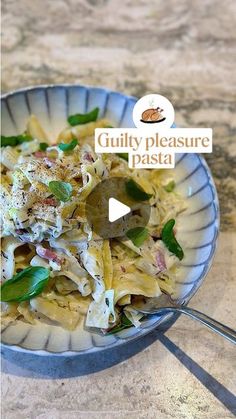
(88, 277)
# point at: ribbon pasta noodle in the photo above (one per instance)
(89, 277)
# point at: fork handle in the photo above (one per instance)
(214, 325)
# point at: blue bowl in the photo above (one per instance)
(197, 227)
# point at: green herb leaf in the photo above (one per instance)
(61, 190)
(43, 146)
(68, 146)
(5, 141)
(137, 235)
(136, 192)
(124, 156)
(83, 118)
(170, 241)
(15, 140)
(170, 186)
(108, 126)
(124, 324)
(25, 284)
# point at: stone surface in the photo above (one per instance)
(187, 52)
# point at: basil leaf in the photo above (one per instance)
(24, 137)
(43, 146)
(68, 146)
(108, 126)
(137, 235)
(5, 141)
(124, 324)
(170, 186)
(136, 192)
(15, 140)
(83, 118)
(25, 284)
(124, 156)
(170, 241)
(61, 190)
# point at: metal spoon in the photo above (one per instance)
(163, 305)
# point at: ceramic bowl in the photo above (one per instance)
(197, 227)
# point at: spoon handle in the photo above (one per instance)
(214, 325)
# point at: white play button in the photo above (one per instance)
(117, 210)
(111, 211)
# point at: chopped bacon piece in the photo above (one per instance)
(48, 254)
(50, 201)
(160, 260)
(40, 154)
(21, 231)
(122, 268)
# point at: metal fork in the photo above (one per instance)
(164, 305)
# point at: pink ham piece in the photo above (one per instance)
(40, 154)
(49, 201)
(19, 231)
(48, 254)
(160, 261)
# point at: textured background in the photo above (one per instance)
(187, 52)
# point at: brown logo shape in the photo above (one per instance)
(152, 116)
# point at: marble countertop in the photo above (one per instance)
(186, 52)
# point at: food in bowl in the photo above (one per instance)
(54, 266)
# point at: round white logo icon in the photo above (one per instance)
(153, 111)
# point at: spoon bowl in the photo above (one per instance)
(164, 305)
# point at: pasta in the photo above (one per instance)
(43, 224)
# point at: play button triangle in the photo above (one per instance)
(117, 210)
(111, 211)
